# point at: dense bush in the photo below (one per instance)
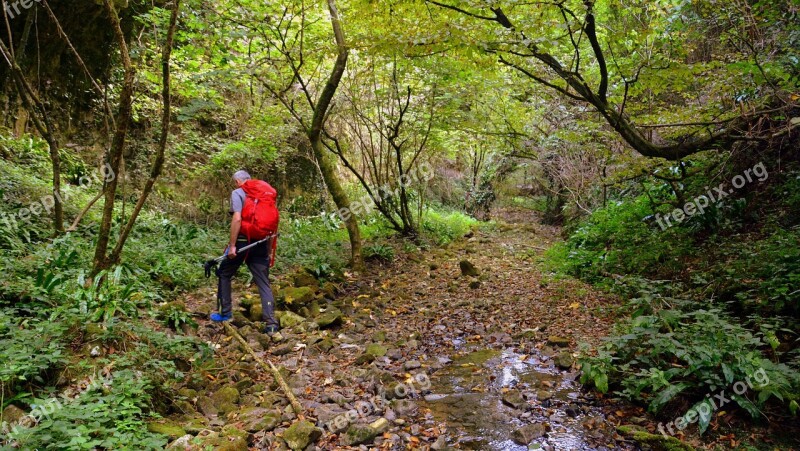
(621, 238)
(692, 351)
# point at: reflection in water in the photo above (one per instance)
(467, 396)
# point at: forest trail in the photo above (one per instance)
(483, 362)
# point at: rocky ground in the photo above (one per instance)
(470, 346)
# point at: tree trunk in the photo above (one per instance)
(114, 156)
(158, 162)
(327, 167)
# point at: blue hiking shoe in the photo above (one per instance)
(216, 317)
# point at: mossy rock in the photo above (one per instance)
(168, 428)
(305, 279)
(358, 434)
(255, 312)
(13, 414)
(230, 431)
(329, 290)
(256, 419)
(477, 357)
(468, 269)
(376, 350)
(558, 341)
(226, 395)
(565, 360)
(657, 442)
(219, 443)
(290, 319)
(297, 297)
(301, 434)
(331, 317)
(326, 344)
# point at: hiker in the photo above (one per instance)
(254, 217)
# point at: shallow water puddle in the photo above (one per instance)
(468, 396)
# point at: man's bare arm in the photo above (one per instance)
(236, 226)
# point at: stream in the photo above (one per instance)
(474, 395)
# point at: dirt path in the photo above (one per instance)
(430, 357)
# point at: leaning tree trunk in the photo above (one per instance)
(327, 167)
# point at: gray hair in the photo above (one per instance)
(241, 176)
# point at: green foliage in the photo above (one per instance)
(688, 350)
(620, 239)
(379, 252)
(107, 295)
(111, 414)
(175, 315)
(29, 347)
(761, 274)
(446, 226)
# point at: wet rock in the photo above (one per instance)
(468, 269)
(170, 429)
(290, 319)
(573, 410)
(565, 360)
(331, 317)
(440, 443)
(514, 399)
(411, 365)
(559, 342)
(478, 357)
(301, 434)
(544, 395)
(526, 434)
(358, 434)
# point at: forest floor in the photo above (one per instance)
(431, 357)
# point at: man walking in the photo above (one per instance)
(254, 217)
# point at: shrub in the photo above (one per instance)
(687, 350)
(620, 239)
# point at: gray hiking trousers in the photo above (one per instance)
(257, 260)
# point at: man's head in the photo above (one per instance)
(240, 177)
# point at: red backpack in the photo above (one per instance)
(260, 211)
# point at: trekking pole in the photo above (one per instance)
(211, 264)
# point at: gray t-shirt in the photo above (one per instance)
(237, 200)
